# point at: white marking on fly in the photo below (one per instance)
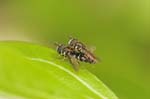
(74, 56)
(72, 74)
(79, 57)
(64, 53)
(61, 52)
(76, 47)
(70, 41)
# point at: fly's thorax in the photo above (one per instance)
(63, 50)
(72, 41)
(78, 46)
(67, 51)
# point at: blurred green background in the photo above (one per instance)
(119, 29)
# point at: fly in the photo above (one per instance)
(83, 51)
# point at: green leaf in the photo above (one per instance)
(31, 71)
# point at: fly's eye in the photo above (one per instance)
(60, 48)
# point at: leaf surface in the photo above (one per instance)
(31, 71)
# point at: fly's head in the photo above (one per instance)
(60, 48)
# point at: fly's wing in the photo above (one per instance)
(91, 49)
(74, 62)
